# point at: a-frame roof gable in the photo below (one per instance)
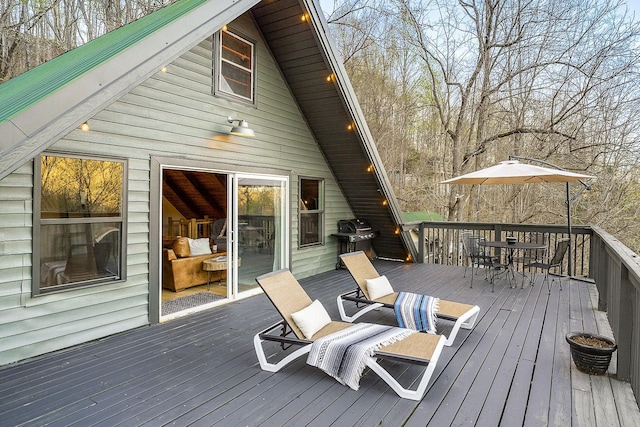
(77, 85)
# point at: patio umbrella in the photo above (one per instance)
(514, 172)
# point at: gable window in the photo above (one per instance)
(79, 222)
(311, 210)
(235, 70)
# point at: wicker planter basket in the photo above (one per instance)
(591, 359)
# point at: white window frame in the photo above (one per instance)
(220, 87)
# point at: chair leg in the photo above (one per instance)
(471, 274)
(553, 280)
(546, 278)
(493, 282)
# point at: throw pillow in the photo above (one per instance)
(199, 246)
(181, 247)
(311, 318)
(379, 287)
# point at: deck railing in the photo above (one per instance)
(616, 271)
(595, 255)
(443, 242)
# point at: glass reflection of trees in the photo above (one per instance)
(73, 187)
(257, 200)
(81, 221)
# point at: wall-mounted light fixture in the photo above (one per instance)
(242, 129)
(85, 127)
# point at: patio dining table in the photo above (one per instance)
(511, 248)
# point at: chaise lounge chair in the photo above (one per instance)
(361, 269)
(289, 298)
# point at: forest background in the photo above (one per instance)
(448, 87)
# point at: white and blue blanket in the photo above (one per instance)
(417, 312)
(343, 354)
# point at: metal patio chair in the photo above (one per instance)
(554, 262)
(479, 256)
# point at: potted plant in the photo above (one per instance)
(590, 352)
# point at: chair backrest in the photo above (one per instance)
(219, 228)
(471, 244)
(286, 295)
(361, 269)
(561, 249)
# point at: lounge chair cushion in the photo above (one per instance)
(379, 287)
(311, 319)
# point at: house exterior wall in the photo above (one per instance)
(172, 114)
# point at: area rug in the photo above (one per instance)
(189, 301)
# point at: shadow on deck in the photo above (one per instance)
(513, 368)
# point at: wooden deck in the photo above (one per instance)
(512, 369)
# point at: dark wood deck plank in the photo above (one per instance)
(499, 376)
(561, 409)
(521, 352)
(464, 361)
(513, 368)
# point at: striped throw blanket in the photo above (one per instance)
(342, 354)
(417, 312)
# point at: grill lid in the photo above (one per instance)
(356, 226)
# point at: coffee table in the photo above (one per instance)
(218, 263)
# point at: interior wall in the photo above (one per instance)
(168, 210)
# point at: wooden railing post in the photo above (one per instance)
(624, 336)
(421, 241)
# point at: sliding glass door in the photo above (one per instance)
(260, 228)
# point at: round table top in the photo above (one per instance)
(514, 245)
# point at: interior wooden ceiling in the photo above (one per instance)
(196, 194)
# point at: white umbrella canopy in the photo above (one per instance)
(514, 172)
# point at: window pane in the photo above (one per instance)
(236, 51)
(310, 193)
(80, 188)
(309, 228)
(237, 62)
(236, 80)
(72, 253)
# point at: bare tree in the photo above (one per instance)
(32, 32)
(552, 80)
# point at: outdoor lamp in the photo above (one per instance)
(85, 127)
(242, 129)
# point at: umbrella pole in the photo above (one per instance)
(570, 262)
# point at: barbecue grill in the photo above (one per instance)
(353, 235)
